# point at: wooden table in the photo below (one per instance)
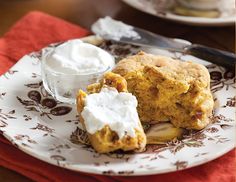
(85, 12)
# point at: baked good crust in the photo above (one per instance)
(106, 140)
(168, 89)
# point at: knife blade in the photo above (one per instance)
(149, 39)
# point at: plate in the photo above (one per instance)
(46, 129)
(148, 6)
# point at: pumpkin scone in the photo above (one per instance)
(168, 89)
(108, 113)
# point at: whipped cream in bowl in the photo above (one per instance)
(71, 66)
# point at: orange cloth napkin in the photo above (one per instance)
(31, 33)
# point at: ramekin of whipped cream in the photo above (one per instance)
(71, 66)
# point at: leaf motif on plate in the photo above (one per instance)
(35, 75)
(58, 158)
(195, 135)
(231, 102)
(25, 102)
(12, 111)
(26, 145)
(26, 117)
(194, 143)
(4, 117)
(80, 136)
(126, 172)
(43, 128)
(25, 137)
(109, 172)
(212, 130)
(9, 72)
(222, 79)
(119, 154)
(57, 148)
(219, 118)
(225, 126)
(201, 154)
(2, 95)
(34, 85)
(175, 146)
(3, 123)
(180, 165)
(220, 139)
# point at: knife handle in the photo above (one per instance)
(216, 56)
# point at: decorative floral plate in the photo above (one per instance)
(44, 128)
(151, 7)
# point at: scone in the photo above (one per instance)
(109, 115)
(168, 89)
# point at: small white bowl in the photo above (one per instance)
(64, 86)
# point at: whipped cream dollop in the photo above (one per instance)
(77, 57)
(113, 29)
(112, 108)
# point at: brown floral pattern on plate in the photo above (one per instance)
(40, 101)
(5, 116)
(36, 116)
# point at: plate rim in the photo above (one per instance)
(77, 168)
(196, 21)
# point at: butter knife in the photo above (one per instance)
(147, 38)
